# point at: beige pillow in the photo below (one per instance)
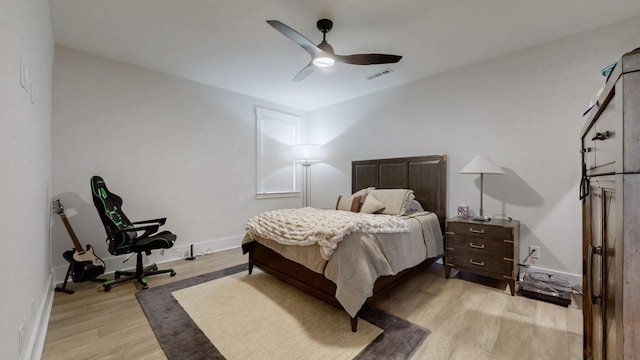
(363, 191)
(349, 203)
(346, 203)
(371, 205)
(396, 201)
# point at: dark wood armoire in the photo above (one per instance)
(610, 191)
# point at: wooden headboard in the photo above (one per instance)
(425, 175)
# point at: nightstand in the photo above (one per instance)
(488, 248)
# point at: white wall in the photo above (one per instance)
(169, 147)
(25, 156)
(524, 110)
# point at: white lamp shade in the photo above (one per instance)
(481, 165)
(307, 152)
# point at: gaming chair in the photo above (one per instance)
(123, 236)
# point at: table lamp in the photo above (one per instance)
(481, 165)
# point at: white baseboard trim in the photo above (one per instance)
(208, 247)
(41, 323)
(177, 252)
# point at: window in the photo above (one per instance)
(276, 134)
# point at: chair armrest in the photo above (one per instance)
(159, 221)
(150, 228)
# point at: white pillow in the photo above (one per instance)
(396, 201)
(371, 205)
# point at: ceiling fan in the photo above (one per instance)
(323, 55)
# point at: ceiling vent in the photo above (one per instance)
(377, 75)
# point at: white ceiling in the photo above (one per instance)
(228, 44)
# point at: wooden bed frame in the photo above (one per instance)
(425, 175)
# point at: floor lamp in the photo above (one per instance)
(481, 165)
(306, 154)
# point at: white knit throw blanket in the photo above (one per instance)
(307, 226)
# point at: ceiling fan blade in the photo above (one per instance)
(295, 36)
(306, 71)
(368, 59)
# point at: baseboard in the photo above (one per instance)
(177, 252)
(41, 323)
(208, 247)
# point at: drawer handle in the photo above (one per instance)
(481, 246)
(601, 136)
(479, 263)
(476, 231)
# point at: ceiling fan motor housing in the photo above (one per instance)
(324, 25)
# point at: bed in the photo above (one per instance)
(318, 276)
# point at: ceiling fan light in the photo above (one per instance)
(324, 61)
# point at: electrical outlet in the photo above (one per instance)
(534, 251)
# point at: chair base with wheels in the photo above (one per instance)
(140, 274)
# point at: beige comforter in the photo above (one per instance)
(362, 257)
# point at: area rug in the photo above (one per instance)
(229, 314)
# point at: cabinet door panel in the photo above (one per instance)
(604, 270)
(612, 272)
(595, 275)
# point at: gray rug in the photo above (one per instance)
(180, 337)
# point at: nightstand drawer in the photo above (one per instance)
(476, 262)
(489, 247)
(478, 230)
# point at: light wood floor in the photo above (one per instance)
(469, 318)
